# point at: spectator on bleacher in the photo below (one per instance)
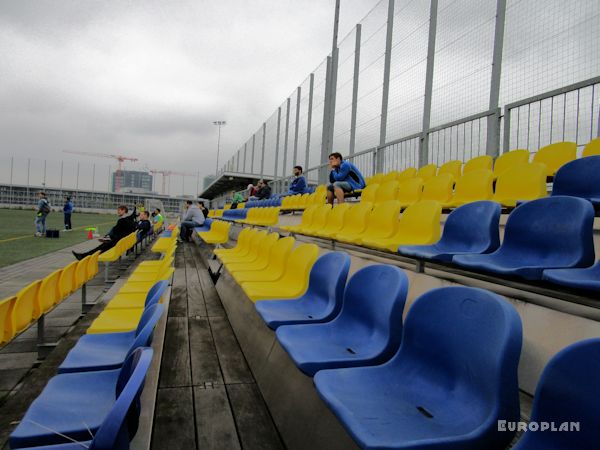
(143, 226)
(124, 226)
(203, 208)
(67, 211)
(157, 216)
(263, 192)
(250, 192)
(298, 184)
(192, 218)
(43, 209)
(344, 177)
(236, 198)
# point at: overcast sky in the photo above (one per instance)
(147, 78)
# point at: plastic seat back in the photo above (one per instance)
(474, 186)
(427, 172)
(307, 216)
(319, 218)
(145, 328)
(7, 319)
(368, 194)
(453, 168)
(377, 178)
(521, 182)
(473, 227)
(49, 292)
(510, 159)
(390, 176)
(280, 253)
(466, 341)
(579, 178)
(592, 148)
(406, 174)
(355, 219)
(257, 240)
(438, 188)
(92, 268)
(420, 223)
(383, 220)
(555, 155)
(26, 307)
(410, 191)
(81, 271)
(335, 219)
(387, 191)
(484, 162)
(155, 293)
(299, 263)
(567, 393)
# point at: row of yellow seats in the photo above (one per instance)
(377, 226)
(119, 249)
(164, 243)
(303, 201)
(526, 181)
(267, 266)
(216, 213)
(39, 297)
(218, 233)
(124, 310)
(261, 216)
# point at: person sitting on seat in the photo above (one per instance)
(263, 192)
(344, 177)
(298, 184)
(124, 226)
(236, 198)
(203, 208)
(192, 218)
(250, 192)
(157, 216)
(143, 226)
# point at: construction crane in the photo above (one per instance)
(167, 173)
(119, 158)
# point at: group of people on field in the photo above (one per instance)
(44, 208)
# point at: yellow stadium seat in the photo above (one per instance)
(406, 174)
(355, 221)
(253, 247)
(294, 281)
(277, 258)
(410, 191)
(375, 179)
(262, 244)
(390, 176)
(480, 162)
(387, 191)
(259, 261)
(368, 194)
(419, 224)
(438, 188)
(306, 220)
(163, 244)
(289, 201)
(27, 308)
(7, 325)
(67, 280)
(211, 213)
(49, 292)
(152, 266)
(510, 159)
(382, 222)
(555, 155)
(144, 286)
(592, 148)
(137, 277)
(113, 254)
(334, 223)
(318, 220)
(92, 268)
(218, 234)
(242, 245)
(427, 172)
(522, 182)
(81, 271)
(116, 321)
(227, 206)
(471, 187)
(218, 213)
(453, 168)
(127, 301)
(302, 202)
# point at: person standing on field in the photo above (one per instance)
(43, 209)
(67, 211)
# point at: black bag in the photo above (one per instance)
(52, 233)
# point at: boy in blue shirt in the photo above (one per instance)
(344, 177)
(67, 211)
(298, 184)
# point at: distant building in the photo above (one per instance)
(131, 181)
(208, 179)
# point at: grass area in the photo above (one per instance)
(17, 242)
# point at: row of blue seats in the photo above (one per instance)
(446, 378)
(267, 203)
(549, 238)
(234, 214)
(94, 401)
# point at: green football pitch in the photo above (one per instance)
(17, 241)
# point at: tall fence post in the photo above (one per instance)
(424, 141)
(493, 121)
(297, 125)
(326, 120)
(262, 158)
(245, 156)
(275, 181)
(252, 162)
(386, 85)
(285, 143)
(355, 88)
(311, 85)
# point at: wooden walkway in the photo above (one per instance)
(207, 397)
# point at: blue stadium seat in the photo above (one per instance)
(587, 279)
(469, 229)
(105, 351)
(166, 233)
(321, 302)
(567, 392)
(367, 331)
(74, 406)
(579, 178)
(453, 378)
(205, 226)
(548, 233)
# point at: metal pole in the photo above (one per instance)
(93, 176)
(386, 84)
(297, 124)
(355, 88)
(277, 145)
(326, 120)
(218, 150)
(245, 156)
(77, 179)
(12, 162)
(44, 182)
(285, 143)
(311, 85)
(493, 128)
(252, 162)
(424, 141)
(262, 158)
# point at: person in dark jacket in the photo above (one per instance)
(263, 192)
(344, 177)
(298, 184)
(203, 208)
(67, 211)
(144, 225)
(124, 226)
